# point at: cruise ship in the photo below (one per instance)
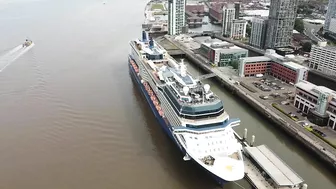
(187, 110)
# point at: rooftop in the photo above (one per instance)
(293, 65)
(256, 12)
(223, 45)
(278, 170)
(307, 86)
(257, 59)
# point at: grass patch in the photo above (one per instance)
(324, 139)
(158, 6)
(159, 13)
(275, 105)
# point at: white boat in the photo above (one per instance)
(187, 110)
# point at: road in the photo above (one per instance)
(311, 30)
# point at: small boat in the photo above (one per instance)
(27, 43)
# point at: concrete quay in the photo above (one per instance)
(321, 149)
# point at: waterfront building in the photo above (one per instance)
(323, 58)
(197, 8)
(330, 19)
(176, 16)
(238, 29)
(258, 32)
(281, 19)
(272, 64)
(223, 53)
(318, 102)
(228, 17)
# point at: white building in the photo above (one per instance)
(238, 29)
(258, 32)
(318, 102)
(323, 58)
(331, 13)
(332, 27)
(176, 16)
(228, 17)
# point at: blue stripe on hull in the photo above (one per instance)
(166, 128)
(162, 122)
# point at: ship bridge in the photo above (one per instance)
(207, 128)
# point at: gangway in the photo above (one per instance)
(206, 76)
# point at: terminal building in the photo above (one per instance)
(277, 173)
(222, 53)
(318, 102)
(272, 64)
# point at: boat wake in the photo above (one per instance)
(8, 58)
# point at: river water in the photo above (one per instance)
(71, 116)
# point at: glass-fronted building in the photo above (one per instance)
(223, 53)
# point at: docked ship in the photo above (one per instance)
(188, 111)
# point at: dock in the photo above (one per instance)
(261, 161)
(170, 47)
(265, 170)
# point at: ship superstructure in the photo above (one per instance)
(191, 114)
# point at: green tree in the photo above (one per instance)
(298, 26)
(306, 46)
(234, 64)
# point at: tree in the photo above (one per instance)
(234, 64)
(298, 26)
(306, 46)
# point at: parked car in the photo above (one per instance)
(304, 124)
(319, 132)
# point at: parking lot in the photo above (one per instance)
(272, 90)
(269, 88)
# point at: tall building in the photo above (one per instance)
(258, 32)
(330, 19)
(238, 29)
(176, 16)
(323, 58)
(228, 16)
(237, 10)
(280, 27)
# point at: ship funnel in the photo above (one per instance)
(151, 43)
(206, 88)
(144, 36)
(185, 90)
